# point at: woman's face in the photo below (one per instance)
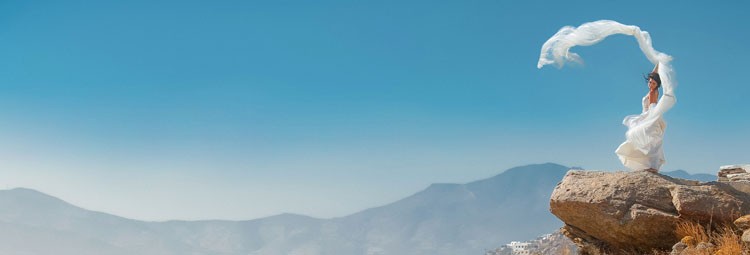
(652, 84)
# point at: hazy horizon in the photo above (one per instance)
(282, 213)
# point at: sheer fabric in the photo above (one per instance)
(642, 148)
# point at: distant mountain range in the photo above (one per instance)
(442, 219)
(685, 175)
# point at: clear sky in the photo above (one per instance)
(186, 109)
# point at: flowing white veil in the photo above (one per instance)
(557, 51)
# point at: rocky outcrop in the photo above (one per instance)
(743, 223)
(637, 212)
(732, 173)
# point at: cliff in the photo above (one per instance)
(639, 212)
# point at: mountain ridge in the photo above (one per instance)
(679, 173)
(443, 218)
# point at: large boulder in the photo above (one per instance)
(627, 212)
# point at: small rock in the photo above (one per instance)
(746, 236)
(743, 222)
(700, 249)
(678, 248)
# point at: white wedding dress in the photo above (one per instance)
(642, 148)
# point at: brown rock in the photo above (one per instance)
(678, 248)
(739, 177)
(740, 186)
(743, 222)
(638, 211)
(716, 202)
(724, 171)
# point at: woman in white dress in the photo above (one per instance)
(642, 149)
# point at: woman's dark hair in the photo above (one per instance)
(654, 76)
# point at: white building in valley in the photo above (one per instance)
(523, 248)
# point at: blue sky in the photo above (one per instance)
(242, 109)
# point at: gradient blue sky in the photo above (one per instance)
(242, 109)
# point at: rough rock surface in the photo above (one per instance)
(739, 177)
(629, 212)
(725, 171)
(743, 223)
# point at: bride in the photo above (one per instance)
(642, 149)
